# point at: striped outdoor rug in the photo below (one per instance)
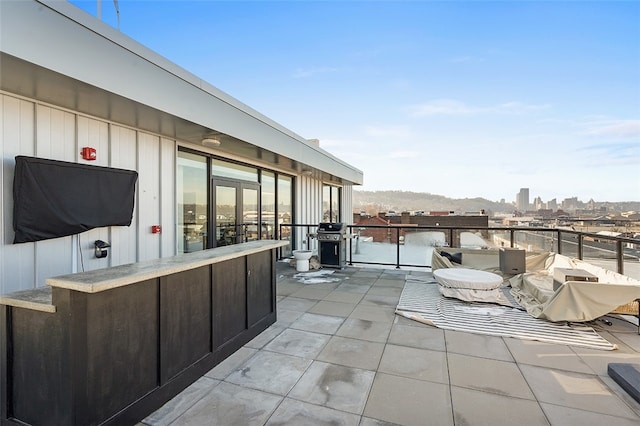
(423, 302)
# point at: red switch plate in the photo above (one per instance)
(155, 229)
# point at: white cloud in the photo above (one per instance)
(441, 107)
(619, 128)
(454, 107)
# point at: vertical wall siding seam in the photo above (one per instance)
(75, 239)
(110, 163)
(36, 267)
(137, 230)
(160, 194)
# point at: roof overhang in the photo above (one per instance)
(68, 58)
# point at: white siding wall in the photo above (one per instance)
(308, 209)
(39, 130)
(347, 204)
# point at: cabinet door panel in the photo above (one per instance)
(260, 292)
(229, 300)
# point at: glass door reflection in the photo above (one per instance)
(226, 206)
(250, 214)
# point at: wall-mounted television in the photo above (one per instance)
(54, 199)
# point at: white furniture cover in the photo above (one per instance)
(471, 285)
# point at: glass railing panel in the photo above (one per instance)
(373, 245)
(569, 244)
(499, 238)
(632, 266)
(417, 246)
(535, 241)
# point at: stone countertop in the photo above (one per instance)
(117, 276)
(37, 299)
(40, 299)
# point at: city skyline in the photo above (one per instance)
(463, 98)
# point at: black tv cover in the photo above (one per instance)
(56, 198)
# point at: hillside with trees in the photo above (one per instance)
(373, 202)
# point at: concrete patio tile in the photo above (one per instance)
(488, 375)
(400, 320)
(344, 296)
(181, 402)
(287, 288)
(546, 355)
(421, 364)
(334, 386)
(303, 344)
(409, 402)
(270, 372)
(630, 339)
(354, 287)
(292, 412)
(352, 353)
(228, 404)
(367, 273)
(226, 367)
(385, 291)
(599, 360)
(296, 304)
(285, 317)
(313, 291)
(364, 330)
(376, 300)
(389, 282)
(337, 309)
(265, 337)
(478, 345)
(373, 313)
(471, 407)
(367, 421)
(565, 416)
(622, 394)
(316, 323)
(423, 337)
(575, 390)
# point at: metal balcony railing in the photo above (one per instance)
(411, 245)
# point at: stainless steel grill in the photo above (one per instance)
(332, 244)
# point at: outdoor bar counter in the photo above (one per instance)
(110, 346)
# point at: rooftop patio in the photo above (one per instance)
(339, 355)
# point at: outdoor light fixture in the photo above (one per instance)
(101, 248)
(307, 172)
(211, 142)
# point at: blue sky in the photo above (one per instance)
(462, 99)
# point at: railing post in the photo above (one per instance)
(512, 238)
(620, 257)
(398, 247)
(580, 253)
(350, 245)
(559, 251)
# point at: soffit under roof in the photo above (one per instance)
(140, 89)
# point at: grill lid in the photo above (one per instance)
(331, 227)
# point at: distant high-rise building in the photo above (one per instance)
(522, 200)
(552, 204)
(537, 203)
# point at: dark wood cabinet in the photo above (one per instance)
(115, 356)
